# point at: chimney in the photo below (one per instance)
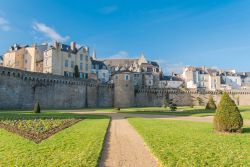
(94, 54)
(73, 46)
(203, 68)
(56, 45)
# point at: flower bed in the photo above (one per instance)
(37, 129)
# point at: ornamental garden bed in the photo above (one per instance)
(37, 129)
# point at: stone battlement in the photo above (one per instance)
(48, 78)
(22, 89)
(179, 91)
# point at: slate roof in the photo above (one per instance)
(171, 78)
(99, 63)
(153, 63)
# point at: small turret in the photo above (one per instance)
(94, 54)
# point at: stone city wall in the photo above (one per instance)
(155, 97)
(21, 90)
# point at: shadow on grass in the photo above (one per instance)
(246, 130)
(197, 112)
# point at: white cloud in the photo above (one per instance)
(4, 24)
(108, 9)
(49, 32)
(169, 68)
(120, 54)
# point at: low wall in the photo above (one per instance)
(22, 89)
(155, 97)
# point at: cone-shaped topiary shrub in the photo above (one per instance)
(227, 117)
(37, 108)
(211, 104)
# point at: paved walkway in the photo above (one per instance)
(125, 148)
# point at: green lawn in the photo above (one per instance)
(184, 143)
(197, 111)
(78, 145)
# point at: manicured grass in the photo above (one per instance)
(184, 143)
(197, 111)
(78, 145)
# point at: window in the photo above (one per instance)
(87, 67)
(81, 67)
(69, 55)
(66, 63)
(81, 57)
(66, 74)
(116, 77)
(26, 61)
(136, 75)
(126, 77)
(72, 64)
(104, 75)
(80, 76)
(87, 58)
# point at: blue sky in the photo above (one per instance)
(174, 32)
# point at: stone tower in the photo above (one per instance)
(124, 90)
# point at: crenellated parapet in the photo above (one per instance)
(49, 78)
(179, 91)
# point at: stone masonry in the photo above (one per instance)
(21, 90)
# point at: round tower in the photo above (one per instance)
(123, 89)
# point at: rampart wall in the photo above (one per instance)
(22, 89)
(155, 97)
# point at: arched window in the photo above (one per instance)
(126, 77)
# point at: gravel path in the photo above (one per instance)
(125, 148)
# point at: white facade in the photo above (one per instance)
(103, 75)
(233, 81)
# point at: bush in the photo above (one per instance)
(172, 105)
(200, 101)
(37, 108)
(76, 72)
(211, 104)
(227, 117)
(118, 108)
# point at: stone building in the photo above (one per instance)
(245, 80)
(27, 58)
(99, 69)
(60, 59)
(171, 82)
(124, 89)
(201, 78)
(1, 61)
(230, 80)
(149, 70)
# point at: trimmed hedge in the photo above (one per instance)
(211, 104)
(227, 117)
(37, 108)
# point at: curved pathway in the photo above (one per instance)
(125, 148)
